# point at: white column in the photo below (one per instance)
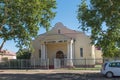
(69, 55)
(46, 52)
(43, 51)
(68, 51)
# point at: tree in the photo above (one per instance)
(23, 54)
(102, 19)
(20, 20)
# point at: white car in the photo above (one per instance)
(111, 68)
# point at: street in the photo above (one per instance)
(53, 75)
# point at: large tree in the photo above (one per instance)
(102, 19)
(20, 20)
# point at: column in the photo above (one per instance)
(43, 56)
(69, 54)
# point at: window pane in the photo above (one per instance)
(39, 53)
(118, 64)
(113, 64)
(81, 52)
(59, 31)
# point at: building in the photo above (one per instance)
(62, 43)
(7, 55)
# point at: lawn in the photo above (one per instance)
(97, 67)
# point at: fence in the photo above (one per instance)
(94, 64)
(79, 63)
(24, 64)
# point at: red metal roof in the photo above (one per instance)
(7, 53)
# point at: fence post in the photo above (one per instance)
(26, 63)
(21, 63)
(85, 64)
(9, 63)
(48, 63)
(34, 63)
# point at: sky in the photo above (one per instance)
(66, 13)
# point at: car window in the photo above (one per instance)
(118, 64)
(104, 65)
(114, 64)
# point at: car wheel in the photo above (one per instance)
(109, 74)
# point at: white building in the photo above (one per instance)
(63, 43)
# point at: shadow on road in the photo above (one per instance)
(55, 76)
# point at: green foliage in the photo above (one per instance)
(102, 19)
(20, 20)
(23, 55)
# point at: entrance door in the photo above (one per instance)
(59, 61)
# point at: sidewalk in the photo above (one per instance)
(47, 71)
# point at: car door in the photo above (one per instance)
(117, 68)
(113, 68)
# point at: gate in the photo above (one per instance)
(59, 63)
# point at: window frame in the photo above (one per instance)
(39, 53)
(81, 52)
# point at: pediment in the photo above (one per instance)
(59, 32)
(55, 37)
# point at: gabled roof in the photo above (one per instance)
(60, 30)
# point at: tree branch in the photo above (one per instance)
(5, 13)
(111, 3)
(1, 46)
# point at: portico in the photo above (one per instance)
(62, 45)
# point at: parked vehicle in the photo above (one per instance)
(111, 68)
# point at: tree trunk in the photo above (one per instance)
(1, 46)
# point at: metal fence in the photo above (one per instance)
(24, 64)
(94, 64)
(91, 64)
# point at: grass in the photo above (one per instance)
(97, 67)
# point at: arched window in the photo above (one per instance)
(60, 55)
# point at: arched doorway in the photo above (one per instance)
(59, 55)
(59, 59)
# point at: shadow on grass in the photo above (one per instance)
(56, 76)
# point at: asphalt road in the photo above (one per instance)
(52, 75)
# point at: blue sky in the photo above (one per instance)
(66, 13)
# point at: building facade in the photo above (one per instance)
(7, 55)
(63, 43)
